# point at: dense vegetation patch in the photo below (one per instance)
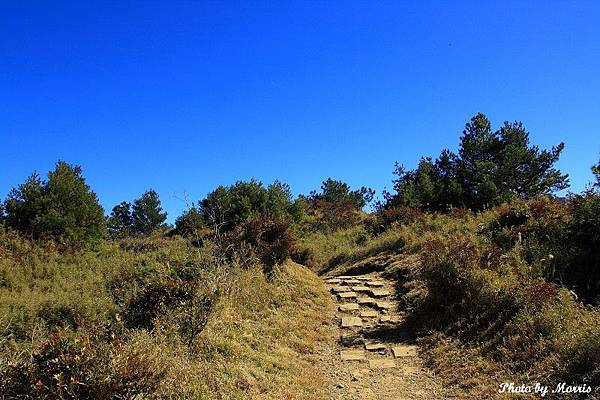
(132, 320)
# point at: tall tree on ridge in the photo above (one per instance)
(147, 214)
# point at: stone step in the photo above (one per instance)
(370, 330)
(368, 301)
(369, 314)
(374, 346)
(352, 355)
(361, 289)
(404, 351)
(348, 307)
(340, 289)
(349, 322)
(347, 295)
(380, 292)
(332, 281)
(390, 318)
(375, 283)
(384, 305)
(350, 282)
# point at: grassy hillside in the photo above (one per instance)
(215, 308)
(155, 317)
(496, 296)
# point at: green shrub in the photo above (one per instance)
(491, 299)
(190, 223)
(559, 240)
(304, 256)
(583, 274)
(320, 247)
(228, 207)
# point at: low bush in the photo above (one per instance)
(87, 364)
(558, 239)
(384, 218)
(155, 299)
(272, 240)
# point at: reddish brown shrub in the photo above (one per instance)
(539, 293)
(272, 240)
(383, 219)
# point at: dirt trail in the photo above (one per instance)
(372, 354)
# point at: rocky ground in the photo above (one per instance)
(372, 354)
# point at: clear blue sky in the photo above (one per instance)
(184, 96)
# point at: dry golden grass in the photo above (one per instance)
(258, 344)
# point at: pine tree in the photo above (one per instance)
(492, 167)
(62, 208)
(147, 214)
(596, 172)
(120, 222)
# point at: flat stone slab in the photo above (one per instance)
(384, 305)
(404, 351)
(349, 322)
(375, 283)
(362, 289)
(352, 340)
(348, 307)
(351, 282)
(375, 346)
(345, 277)
(369, 313)
(352, 355)
(333, 281)
(380, 292)
(347, 295)
(340, 289)
(390, 318)
(366, 301)
(364, 278)
(382, 363)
